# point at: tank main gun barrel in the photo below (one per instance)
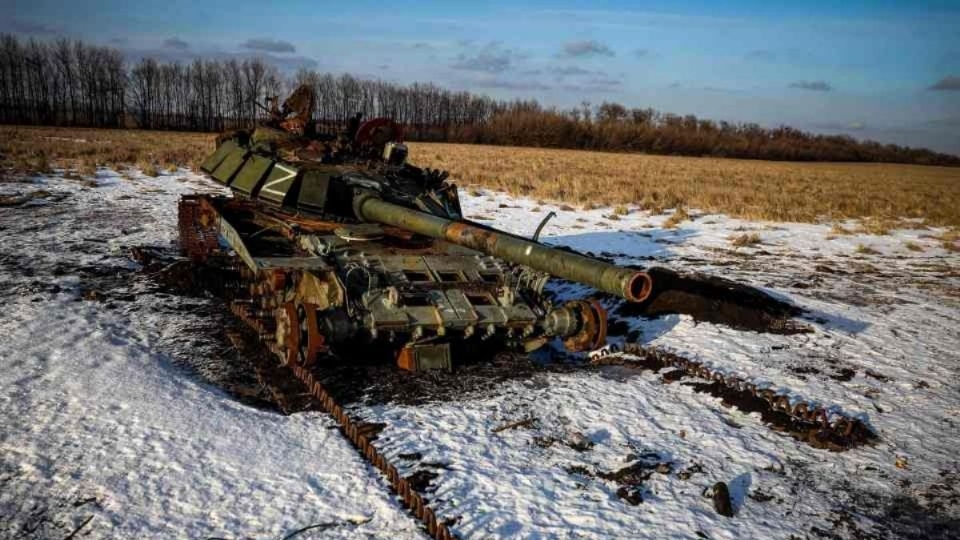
(630, 284)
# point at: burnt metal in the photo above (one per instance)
(543, 223)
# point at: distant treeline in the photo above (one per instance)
(71, 83)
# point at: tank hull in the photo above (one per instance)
(322, 287)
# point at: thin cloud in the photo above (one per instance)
(572, 71)
(763, 55)
(596, 85)
(269, 45)
(585, 49)
(29, 27)
(509, 84)
(950, 122)
(176, 44)
(641, 53)
(816, 86)
(491, 58)
(947, 84)
(604, 81)
(788, 56)
(710, 88)
(840, 126)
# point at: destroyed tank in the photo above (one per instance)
(340, 245)
(333, 246)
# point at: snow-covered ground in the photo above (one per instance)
(104, 414)
(98, 417)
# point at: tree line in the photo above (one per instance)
(70, 83)
(613, 127)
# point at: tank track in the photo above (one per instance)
(359, 434)
(819, 425)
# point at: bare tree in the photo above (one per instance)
(72, 83)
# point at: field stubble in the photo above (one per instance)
(37, 149)
(777, 191)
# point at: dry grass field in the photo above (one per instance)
(880, 194)
(36, 149)
(781, 191)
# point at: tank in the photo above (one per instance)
(334, 242)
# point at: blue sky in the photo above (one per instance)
(883, 70)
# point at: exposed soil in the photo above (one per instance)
(65, 515)
(706, 298)
(716, 300)
(421, 479)
(630, 479)
(914, 512)
(843, 375)
(385, 383)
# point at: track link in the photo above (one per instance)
(357, 433)
(362, 442)
(817, 424)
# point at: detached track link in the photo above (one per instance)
(810, 422)
(411, 499)
(358, 437)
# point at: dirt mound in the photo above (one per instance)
(715, 300)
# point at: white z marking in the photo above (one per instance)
(290, 174)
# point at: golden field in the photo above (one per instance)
(36, 149)
(779, 191)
